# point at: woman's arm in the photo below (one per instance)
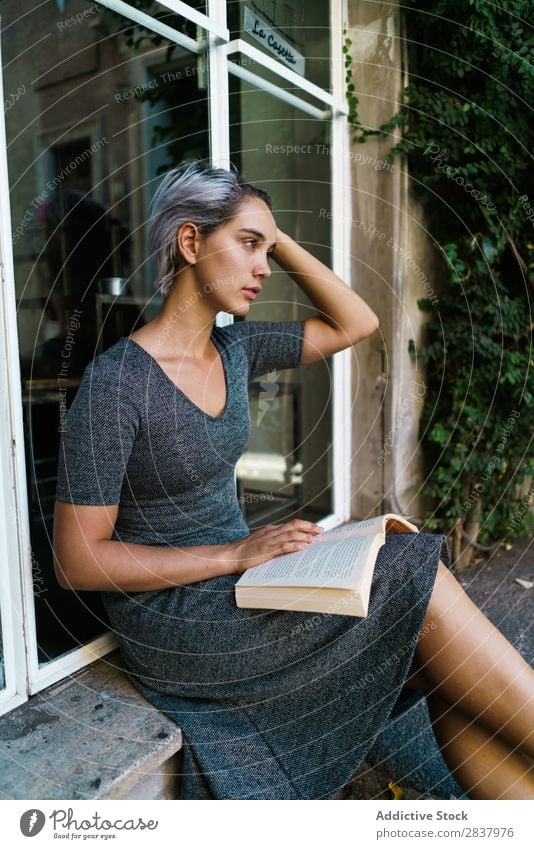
(86, 558)
(345, 317)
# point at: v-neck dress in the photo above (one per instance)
(272, 704)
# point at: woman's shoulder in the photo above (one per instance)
(241, 336)
(116, 373)
(267, 344)
(253, 330)
(122, 357)
(257, 335)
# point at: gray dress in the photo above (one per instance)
(273, 704)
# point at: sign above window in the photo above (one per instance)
(272, 41)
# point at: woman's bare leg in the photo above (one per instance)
(483, 764)
(474, 667)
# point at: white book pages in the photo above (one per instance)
(376, 525)
(339, 563)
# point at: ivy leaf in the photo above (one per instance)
(424, 304)
(489, 250)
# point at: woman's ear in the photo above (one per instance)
(188, 239)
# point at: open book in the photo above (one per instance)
(332, 575)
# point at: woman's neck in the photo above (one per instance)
(182, 327)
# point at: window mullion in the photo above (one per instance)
(219, 108)
(141, 18)
(14, 526)
(277, 91)
(341, 265)
(238, 45)
(11, 607)
(214, 21)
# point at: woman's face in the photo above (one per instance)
(233, 260)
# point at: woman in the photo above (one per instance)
(147, 513)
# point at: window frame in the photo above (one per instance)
(24, 676)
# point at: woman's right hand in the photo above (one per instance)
(268, 542)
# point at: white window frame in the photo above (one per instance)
(23, 674)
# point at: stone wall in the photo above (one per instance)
(392, 266)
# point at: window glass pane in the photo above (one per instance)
(242, 67)
(295, 32)
(287, 469)
(95, 111)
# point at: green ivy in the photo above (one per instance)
(465, 121)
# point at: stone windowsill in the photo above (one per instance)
(91, 736)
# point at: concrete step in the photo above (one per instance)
(92, 736)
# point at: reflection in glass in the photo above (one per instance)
(294, 32)
(99, 108)
(287, 470)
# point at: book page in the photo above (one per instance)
(355, 529)
(391, 522)
(339, 564)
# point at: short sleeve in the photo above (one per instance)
(97, 437)
(270, 345)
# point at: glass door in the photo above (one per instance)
(100, 99)
(287, 470)
(100, 107)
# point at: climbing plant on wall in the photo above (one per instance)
(465, 136)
